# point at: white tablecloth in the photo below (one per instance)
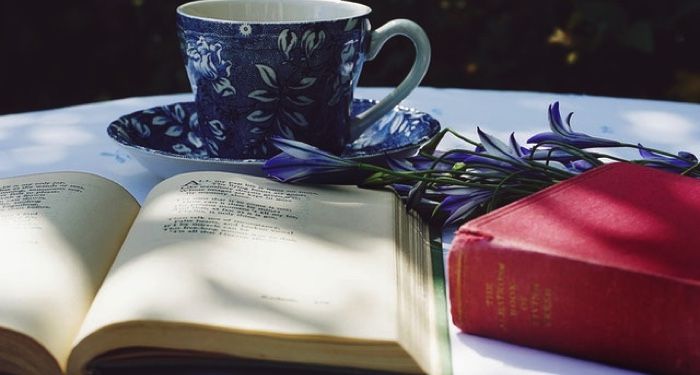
(74, 139)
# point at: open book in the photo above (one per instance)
(217, 271)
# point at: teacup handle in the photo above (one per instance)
(415, 33)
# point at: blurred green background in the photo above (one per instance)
(60, 53)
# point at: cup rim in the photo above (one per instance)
(360, 11)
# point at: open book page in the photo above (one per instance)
(245, 253)
(60, 233)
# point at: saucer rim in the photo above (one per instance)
(250, 162)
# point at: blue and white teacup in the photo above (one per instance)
(288, 68)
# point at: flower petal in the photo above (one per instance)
(268, 75)
(457, 190)
(287, 168)
(688, 156)
(578, 166)
(578, 140)
(303, 151)
(262, 96)
(174, 131)
(683, 161)
(304, 83)
(555, 122)
(259, 116)
(515, 147)
(461, 207)
(497, 148)
(400, 164)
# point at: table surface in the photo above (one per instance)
(74, 139)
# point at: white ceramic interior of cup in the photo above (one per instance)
(273, 11)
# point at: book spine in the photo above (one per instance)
(576, 308)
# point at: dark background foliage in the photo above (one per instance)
(58, 53)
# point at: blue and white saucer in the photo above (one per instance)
(161, 139)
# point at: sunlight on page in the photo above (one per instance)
(40, 270)
(296, 272)
(60, 234)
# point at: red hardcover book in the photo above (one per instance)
(604, 266)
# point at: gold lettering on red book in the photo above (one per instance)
(509, 300)
(536, 305)
(489, 294)
(547, 303)
(501, 305)
(512, 299)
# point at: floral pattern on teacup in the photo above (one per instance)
(280, 104)
(291, 80)
(286, 41)
(401, 125)
(343, 84)
(245, 29)
(204, 60)
(172, 130)
(312, 40)
(282, 100)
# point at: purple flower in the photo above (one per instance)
(512, 158)
(552, 154)
(299, 161)
(400, 165)
(511, 152)
(562, 133)
(423, 163)
(402, 189)
(684, 160)
(460, 206)
(458, 202)
(493, 156)
(579, 166)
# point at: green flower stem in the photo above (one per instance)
(467, 166)
(692, 169)
(492, 201)
(465, 139)
(476, 175)
(430, 147)
(573, 151)
(480, 175)
(443, 180)
(563, 175)
(544, 168)
(599, 156)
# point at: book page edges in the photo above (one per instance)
(423, 329)
(307, 349)
(442, 353)
(22, 354)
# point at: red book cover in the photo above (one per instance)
(603, 266)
